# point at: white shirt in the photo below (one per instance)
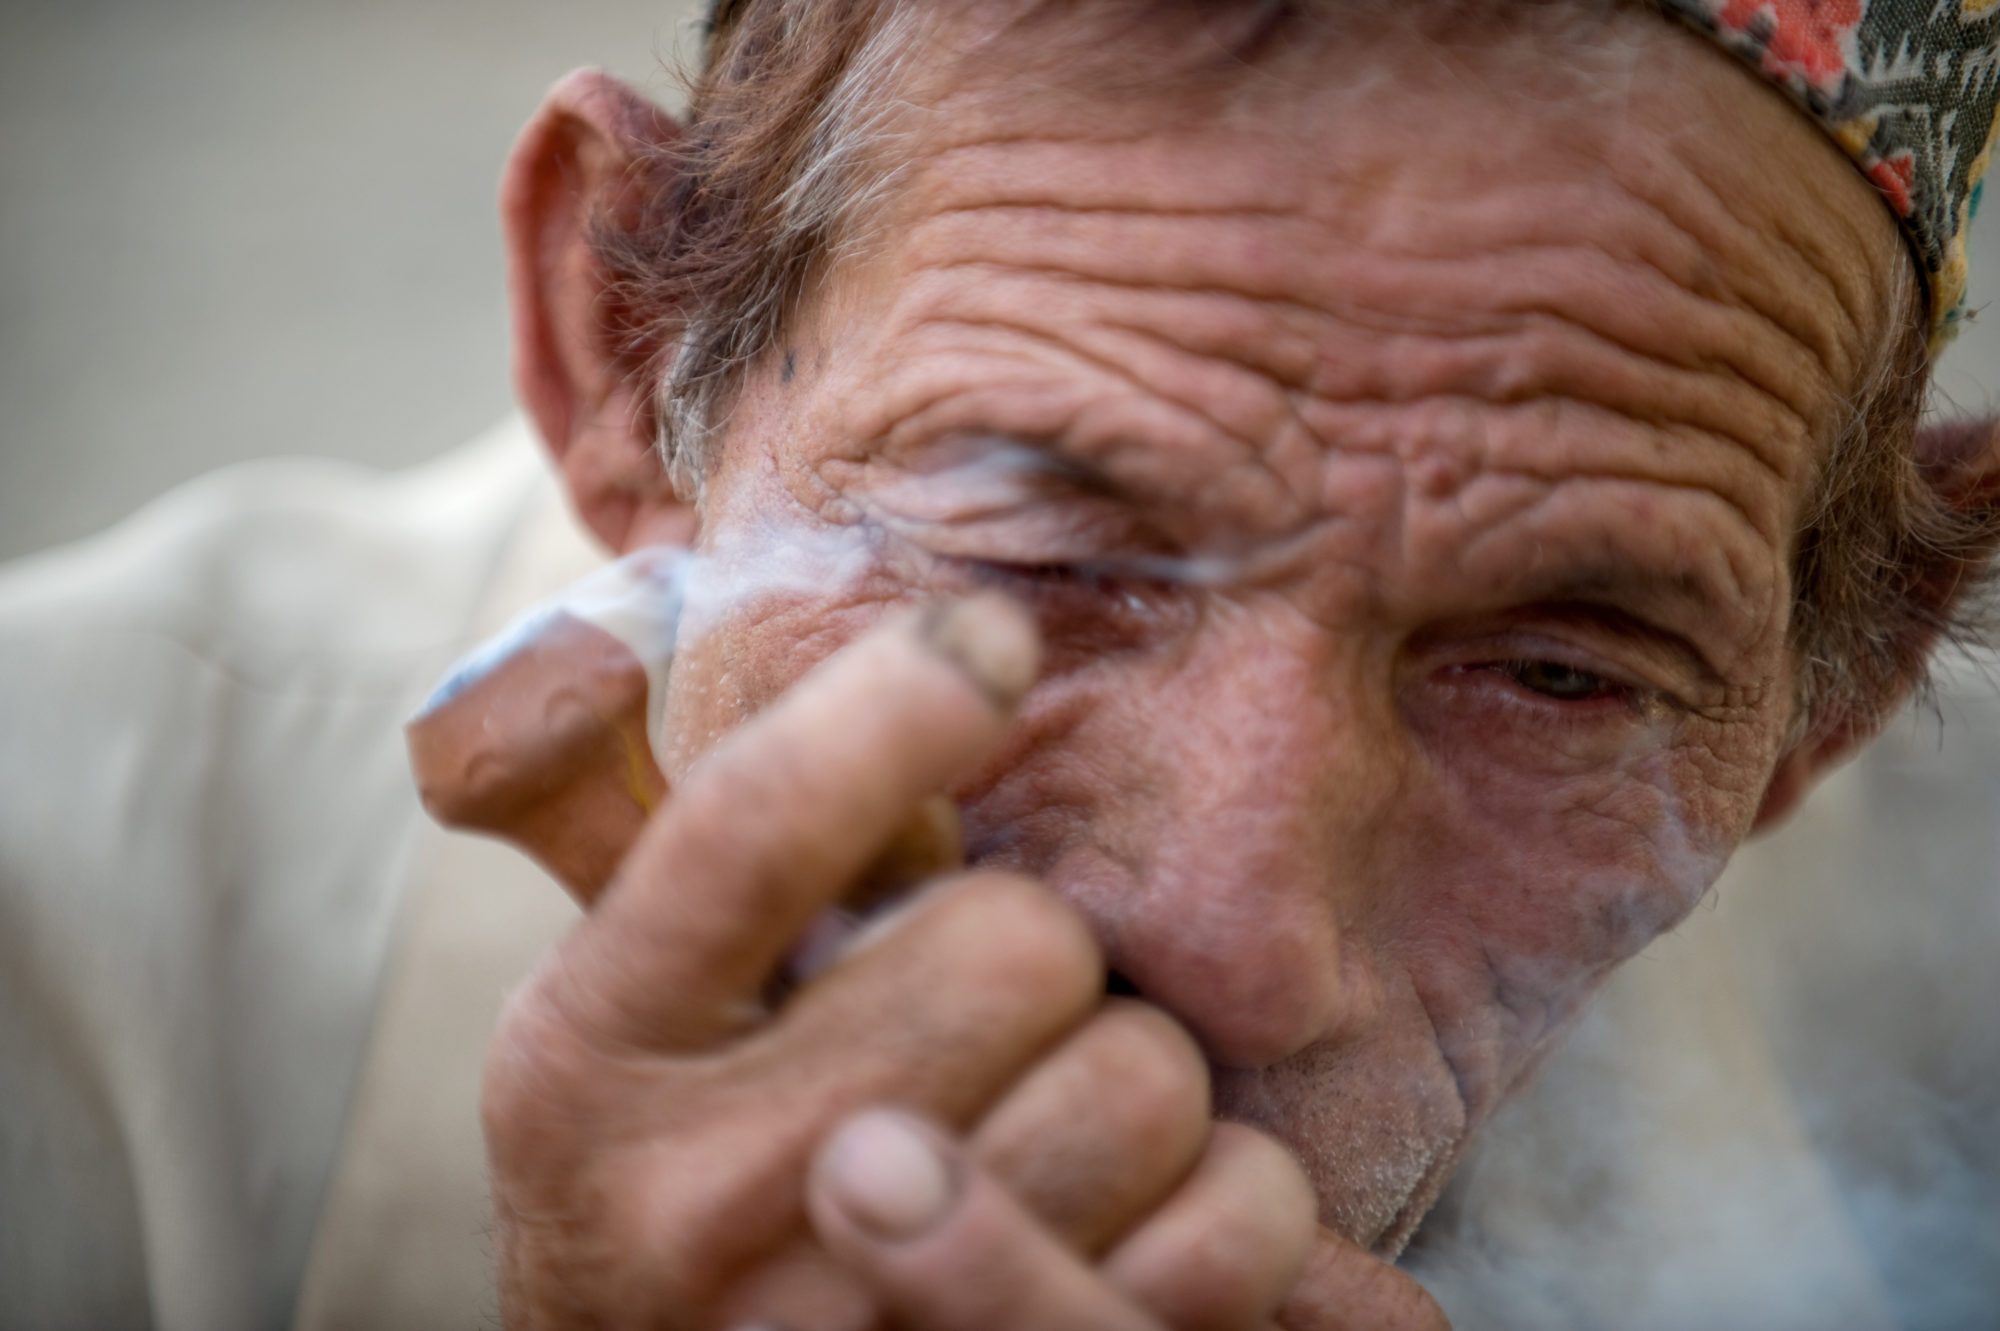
(206, 827)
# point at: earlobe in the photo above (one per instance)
(1800, 770)
(591, 150)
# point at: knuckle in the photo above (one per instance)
(1199, 1285)
(1158, 1074)
(536, 1083)
(1263, 1170)
(1238, 1238)
(723, 809)
(1156, 1046)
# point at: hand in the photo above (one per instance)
(945, 1246)
(650, 1122)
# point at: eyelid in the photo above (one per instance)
(1028, 536)
(1613, 662)
(1016, 470)
(1532, 646)
(1666, 653)
(1009, 504)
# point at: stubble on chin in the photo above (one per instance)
(1377, 1162)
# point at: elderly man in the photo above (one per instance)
(1449, 471)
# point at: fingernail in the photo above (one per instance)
(991, 639)
(885, 1173)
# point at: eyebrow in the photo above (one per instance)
(1254, 32)
(1048, 458)
(1618, 597)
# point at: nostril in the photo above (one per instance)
(1117, 986)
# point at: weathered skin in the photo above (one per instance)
(1548, 391)
(1475, 379)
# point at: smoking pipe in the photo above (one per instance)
(549, 737)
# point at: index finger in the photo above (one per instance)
(775, 822)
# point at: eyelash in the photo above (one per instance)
(1598, 688)
(1044, 583)
(1109, 605)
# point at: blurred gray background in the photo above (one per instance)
(233, 228)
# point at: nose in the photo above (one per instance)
(1245, 791)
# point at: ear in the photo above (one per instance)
(1818, 755)
(590, 154)
(1960, 462)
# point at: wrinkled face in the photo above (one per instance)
(1401, 445)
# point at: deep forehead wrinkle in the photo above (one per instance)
(1282, 364)
(1614, 85)
(1386, 259)
(1372, 347)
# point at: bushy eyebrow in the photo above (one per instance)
(1653, 607)
(1047, 462)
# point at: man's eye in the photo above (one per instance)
(1029, 579)
(1058, 573)
(1564, 683)
(1093, 601)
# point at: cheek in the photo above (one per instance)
(1554, 841)
(731, 667)
(1529, 892)
(1571, 877)
(781, 580)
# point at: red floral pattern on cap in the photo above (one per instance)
(1809, 39)
(1908, 88)
(1894, 176)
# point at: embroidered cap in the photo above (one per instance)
(1909, 88)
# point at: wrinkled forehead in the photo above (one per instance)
(1904, 88)
(1398, 122)
(1137, 66)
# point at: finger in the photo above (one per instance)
(939, 1009)
(944, 1245)
(779, 818)
(929, 844)
(1347, 1288)
(1103, 1128)
(800, 1287)
(1226, 1248)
